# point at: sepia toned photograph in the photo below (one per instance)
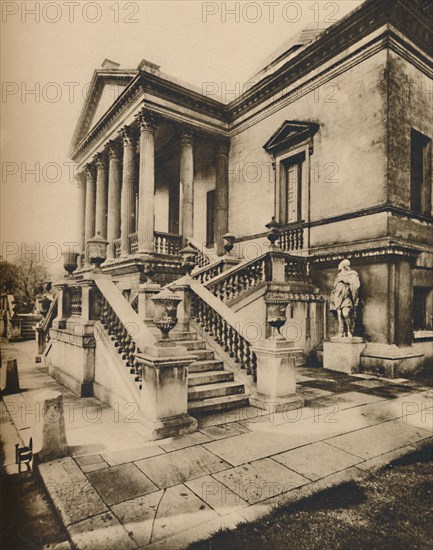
(216, 275)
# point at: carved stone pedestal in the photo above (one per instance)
(146, 308)
(276, 375)
(343, 354)
(49, 432)
(164, 399)
(9, 377)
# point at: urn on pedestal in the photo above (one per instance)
(70, 262)
(165, 318)
(189, 258)
(97, 251)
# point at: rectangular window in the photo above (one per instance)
(293, 185)
(210, 218)
(422, 314)
(420, 173)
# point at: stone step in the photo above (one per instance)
(209, 377)
(192, 344)
(205, 365)
(176, 335)
(225, 403)
(204, 355)
(210, 391)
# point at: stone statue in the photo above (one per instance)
(344, 298)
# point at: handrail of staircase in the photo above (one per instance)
(127, 331)
(246, 275)
(43, 329)
(224, 325)
(204, 255)
(209, 271)
(238, 279)
(124, 315)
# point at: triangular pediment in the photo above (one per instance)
(105, 87)
(290, 133)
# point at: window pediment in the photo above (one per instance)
(290, 133)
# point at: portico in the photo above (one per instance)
(146, 167)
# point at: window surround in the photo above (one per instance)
(293, 140)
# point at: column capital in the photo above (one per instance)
(187, 135)
(222, 146)
(80, 178)
(146, 120)
(113, 149)
(100, 160)
(89, 171)
(128, 135)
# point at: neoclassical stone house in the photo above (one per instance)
(334, 139)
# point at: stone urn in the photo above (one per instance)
(229, 242)
(97, 250)
(70, 262)
(274, 232)
(276, 306)
(165, 317)
(189, 258)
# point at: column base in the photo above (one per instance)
(343, 354)
(278, 404)
(171, 427)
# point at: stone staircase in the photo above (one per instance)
(28, 323)
(211, 387)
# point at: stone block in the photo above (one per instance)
(276, 375)
(9, 380)
(50, 432)
(343, 355)
(390, 361)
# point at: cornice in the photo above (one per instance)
(339, 37)
(403, 32)
(147, 83)
(382, 249)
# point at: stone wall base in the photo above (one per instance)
(391, 361)
(171, 427)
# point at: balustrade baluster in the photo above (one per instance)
(248, 359)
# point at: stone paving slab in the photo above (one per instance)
(72, 493)
(203, 531)
(100, 533)
(216, 495)
(187, 440)
(387, 437)
(260, 480)
(120, 483)
(221, 432)
(90, 463)
(255, 445)
(162, 514)
(312, 489)
(130, 455)
(317, 460)
(138, 515)
(180, 466)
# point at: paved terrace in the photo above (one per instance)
(116, 490)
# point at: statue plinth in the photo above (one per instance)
(343, 354)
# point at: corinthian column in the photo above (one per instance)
(221, 195)
(81, 184)
(146, 193)
(127, 198)
(101, 195)
(187, 184)
(89, 230)
(114, 180)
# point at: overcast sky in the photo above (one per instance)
(50, 50)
